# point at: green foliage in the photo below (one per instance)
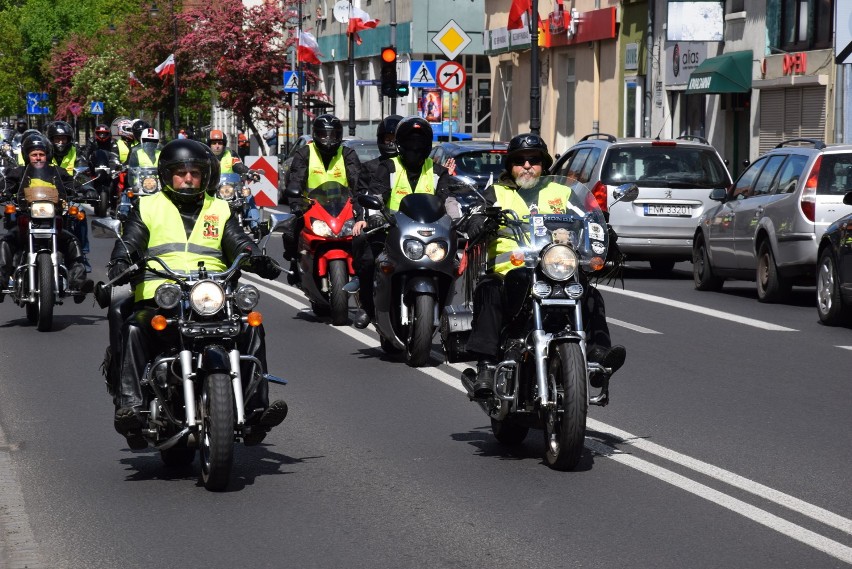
(14, 82)
(103, 78)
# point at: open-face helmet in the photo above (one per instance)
(186, 154)
(36, 141)
(527, 144)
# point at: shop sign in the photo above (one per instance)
(795, 63)
(682, 58)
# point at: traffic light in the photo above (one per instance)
(388, 72)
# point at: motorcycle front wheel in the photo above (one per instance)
(338, 276)
(217, 431)
(45, 297)
(102, 207)
(421, 329)
(565, 426)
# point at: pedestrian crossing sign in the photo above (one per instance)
(96, 108)
(291, 81)
(422, 73)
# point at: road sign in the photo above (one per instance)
(34, 101)
(422, 73)
(75, 109)
(292, 79)
(368, 82)
(96, 108)
(265, 192)
(451, 76)
(451, 40)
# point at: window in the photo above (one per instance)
(764, 183)
(576, 166)
(806, 24)
(742, 187)
(835, 174)
(589, 165)
(790, 174)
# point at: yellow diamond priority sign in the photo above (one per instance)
(451, 40)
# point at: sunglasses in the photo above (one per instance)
(533, 160)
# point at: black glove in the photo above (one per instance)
(264, 267)
(475, 227)
(253, 175)
(375, 221)
(116, 268)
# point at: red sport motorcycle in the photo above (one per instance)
(325, 243)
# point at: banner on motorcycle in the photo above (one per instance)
(265, 192)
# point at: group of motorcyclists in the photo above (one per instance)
(185, 224)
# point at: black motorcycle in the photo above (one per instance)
(543, 377)
(196, 391)
(96, 178)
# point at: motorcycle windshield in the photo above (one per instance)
(422, 208)
(331, 196)
(571, 215)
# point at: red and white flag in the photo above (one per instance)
(519, 9)
(308, 51)
(359, 20)
(134, 81)
(167, 67)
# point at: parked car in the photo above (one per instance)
(365, 149)
(675, 178)
(476, 162)
(834, 271)
(769, 223)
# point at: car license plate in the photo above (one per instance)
(669, 210)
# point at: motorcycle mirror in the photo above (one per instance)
(626, 193)
(370, 201)
(293, 194)
(106, 227)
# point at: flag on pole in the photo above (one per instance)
(308, 51)
(134, 81)
(359, 20)
(167, 67)
(519, 9)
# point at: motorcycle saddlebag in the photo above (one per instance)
(456, 322)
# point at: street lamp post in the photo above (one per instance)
(155, 12)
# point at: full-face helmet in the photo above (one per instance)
(60, 135)
(386, 135)
(102, 133)
(414, 140)
(327, 133)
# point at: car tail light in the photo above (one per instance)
(599, 191)
(808, 200)
(663, 143)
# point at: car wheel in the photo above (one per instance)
(771, 286)
(830, 306)
(702, 272)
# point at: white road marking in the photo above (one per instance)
(699, 309)
(794, 531)
(844, 347)
(629, 326)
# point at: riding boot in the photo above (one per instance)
(78, 282)
(483, 387)
(611, 358)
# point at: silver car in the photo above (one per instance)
(767, 226)
(675, 178)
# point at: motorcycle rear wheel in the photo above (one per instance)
(102, 207)
(338, 276)
(420, 331)
(217, 431)
(565, 426)
(45, 298)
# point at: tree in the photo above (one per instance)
(14, 81)
(240, 53)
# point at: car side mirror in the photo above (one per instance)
(626, 193)
(847, 198)
(719, 194)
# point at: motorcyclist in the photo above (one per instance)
(146, 153)
(125, 141)
(19, 151)
(61, 135)
(228, 163)
(136, 127)
(519, 188)
(38, 171)
(410, 171)
(323, 160)
(101, 141)
(183, 224)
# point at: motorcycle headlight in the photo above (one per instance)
(436, 251)
(42, 210)
(167, 295)
(413, 249)
(559, 262)
(207, 298)
(149, 184)
(245, 192)
(226, 191)
(246, 297)
(321, 228)
(346, 230)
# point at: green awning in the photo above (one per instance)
(727, 73)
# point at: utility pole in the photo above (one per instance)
(351, 78)
(393, 43)
(300, 112)
(535, 87)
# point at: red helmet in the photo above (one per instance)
(102, 133)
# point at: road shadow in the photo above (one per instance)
(60, 322)
(532, 448)
(802, 297)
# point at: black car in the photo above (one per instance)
(477, 162)
(834, 271)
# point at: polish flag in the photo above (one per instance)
(359, 20)
(134, 81)
(519, 9)
(167, 67)
(308, 51)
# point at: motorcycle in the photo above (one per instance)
(141, 181)
(97, 178)
(414, 274)
(40, 279)
(233, 189)
(325, 265)
(196, 391)
(543, 377)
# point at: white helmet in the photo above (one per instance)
(150, 135)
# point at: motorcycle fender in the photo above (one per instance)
(420, 285)
(333, 255)
(215, 359)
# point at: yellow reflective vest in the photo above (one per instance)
(123, 150)
(145, 160)
(68, 161)
(226, 162)
(400, 186)
(552, 198)
(317, 173)
(167, 238)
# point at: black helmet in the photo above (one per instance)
(182, 153)
(526, 143)
(327, 132)
(21, 126)
(414, 140)
(387, 126)
(28, 133)
(36, 142)
(138, 126)
(57, 129)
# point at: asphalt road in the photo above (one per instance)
(728, 443)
